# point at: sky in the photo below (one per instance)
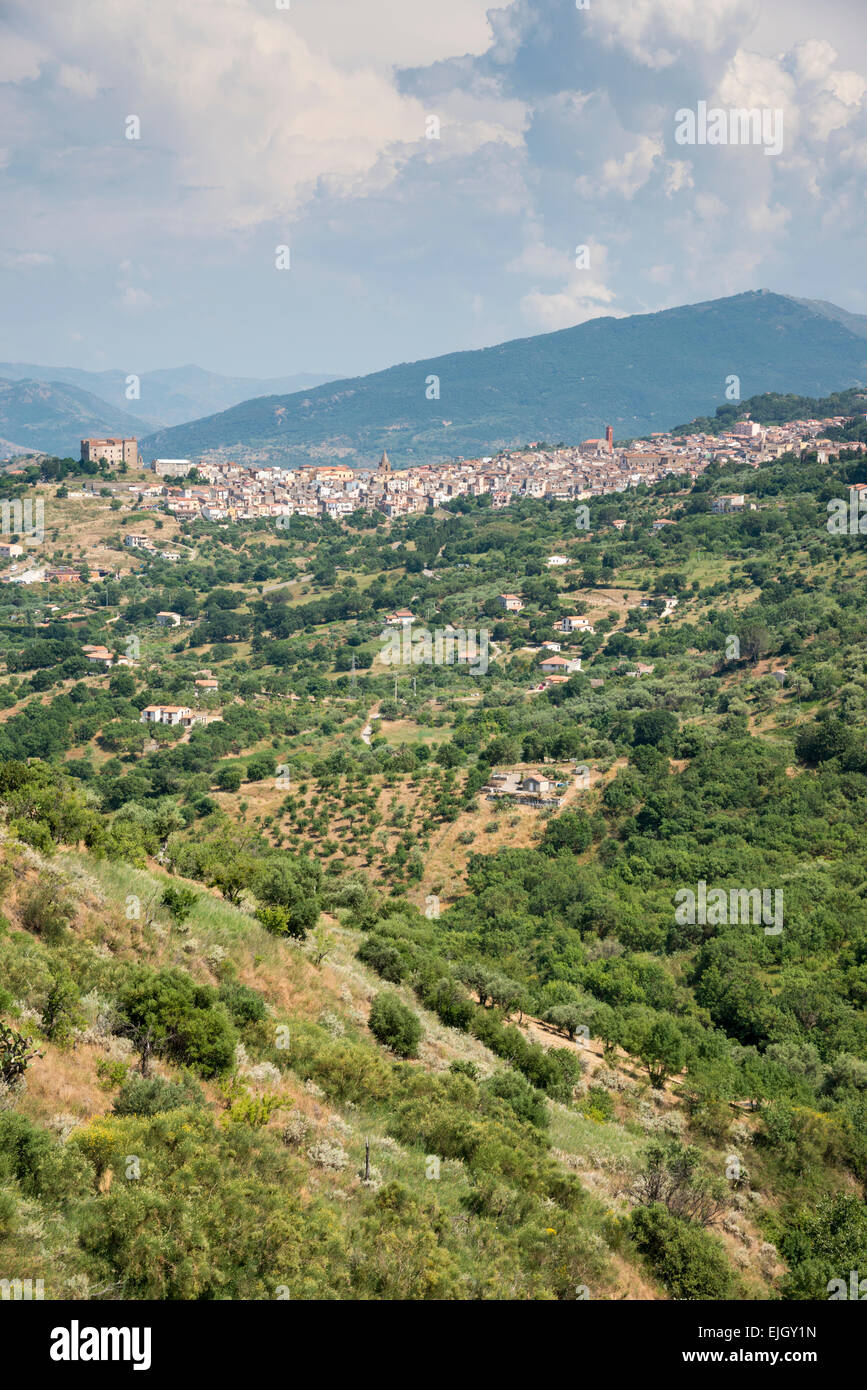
(432, 166)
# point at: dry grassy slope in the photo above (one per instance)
(64, 1087)
(79, 527)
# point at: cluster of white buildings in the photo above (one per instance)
(596, 467)
(177, 714)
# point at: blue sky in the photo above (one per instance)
(309, 127)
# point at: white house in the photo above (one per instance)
(165, 714)
(575, 625)
(732, 502)
(99, 656)
(559, 666)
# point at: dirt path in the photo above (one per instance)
(367, 731)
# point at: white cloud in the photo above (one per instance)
(130, 297)
(75, 80)
(767, 221)
(575, 303)
(709, 207)
(245, 106)
(20, 58)
(261, 126)
(678, 176)
(537, 259)
(626, 175)
(24, 260)
(654, 34)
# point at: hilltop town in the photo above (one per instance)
(221, 491)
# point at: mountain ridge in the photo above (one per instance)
(51, 417)
(168, 395)
(642, 373)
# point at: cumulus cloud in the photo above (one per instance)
(575, 303)
(625, 176)
(655, 35)
(553, 127)
(237, 108)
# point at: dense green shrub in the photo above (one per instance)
(519, 1095)
(382, 957)
(823, 1244)
(165, 1011)
(394, 1025)
(689, 1262)
(245, 1005)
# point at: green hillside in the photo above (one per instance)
(52, 417)
(290, 1006)
(774, 408)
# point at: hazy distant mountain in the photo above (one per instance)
(170, 395)
(52, 417)
(857, 323)
(640, 374)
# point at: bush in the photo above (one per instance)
(689, 1262)
(598, 1104)
(165, 1011)
(151, 1095)
(279, 922)
(260, 767)
(245, 1005)
(823, 1244)
(462, 1068)
(673, 1177)
(382, 957)
(24, 1147)
(228, 779)
(61, 1009)
(394, 1025)
(288, 891)
(571, 830)
(46, 910)
(180, 902)
(450, 1004)
(527, 1103)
